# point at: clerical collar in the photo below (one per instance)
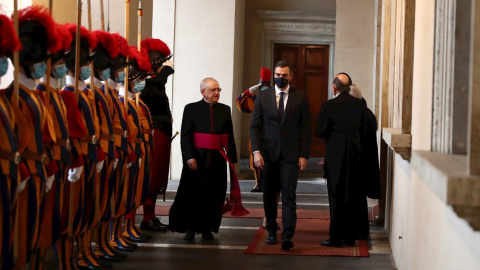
(278, 90)
(27, 82)
(71, 81)
(211, 104)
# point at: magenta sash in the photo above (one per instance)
(220, 142)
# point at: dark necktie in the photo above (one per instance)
(281, 109)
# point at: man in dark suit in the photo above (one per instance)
(343, 123)
(280, 136)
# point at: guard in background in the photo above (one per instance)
(156, 100)
(245, 103)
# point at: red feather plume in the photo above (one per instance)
(9, 41)
(65, 37)
(107, 42)
(265, 74)
(41, 15)
(143, 62)
(155, 44)
(84, 33)
(121, 44)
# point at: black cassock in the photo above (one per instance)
(351, 164)
(201, 193)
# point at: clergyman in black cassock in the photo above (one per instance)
(343, 123)
(197, 207)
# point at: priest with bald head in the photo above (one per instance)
(342, 123)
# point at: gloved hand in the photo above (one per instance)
(74, 174)
(168, 63)
(129, 165)
(139, 162)
(253, 88)
(115, 163)
(99, 166)
(21, 185)
(49, 182)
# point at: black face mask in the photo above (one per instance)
(281, 82)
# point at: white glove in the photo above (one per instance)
(49, 182)
(115, 163)
(139, 162)
(168, 63)
(99, 166)
(74, 174)
(253, 88)
(129, 165)
(21, 185)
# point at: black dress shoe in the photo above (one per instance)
(89, 267)
(350, 243)
(207, 236)
(256, 189)
(120, 254)
(287, 245)
(103, 262)
(111, 258)
(153, 224)
(278, 228)
(140, 239)
(189, 236)
(329, 243)
(125, 248)
(272, 238)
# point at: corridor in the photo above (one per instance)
(167, 250)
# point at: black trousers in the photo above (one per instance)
(348, 216)
(280, 176)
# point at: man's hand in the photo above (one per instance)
(258, 160)
(253, 88)
(192, 164)
(302, 163)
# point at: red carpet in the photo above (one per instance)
(308, 235)
(254, 213)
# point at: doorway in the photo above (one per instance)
(310, 65)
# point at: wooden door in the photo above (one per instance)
(310, 73)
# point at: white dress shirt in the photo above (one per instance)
(285, 95)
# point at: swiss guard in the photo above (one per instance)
(156, 99)
(9, 149)
(38, 35)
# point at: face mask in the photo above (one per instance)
(60, 71)
(121, 77)
(3, 66)
(106, 74)
(281, 82)
(139, 85)
(39, 70)
(85, 73)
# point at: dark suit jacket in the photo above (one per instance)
(288, 139)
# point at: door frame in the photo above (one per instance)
(297, 27)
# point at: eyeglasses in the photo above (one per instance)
(212, 90)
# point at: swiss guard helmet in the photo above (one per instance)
(156, 50)
(88, 42)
